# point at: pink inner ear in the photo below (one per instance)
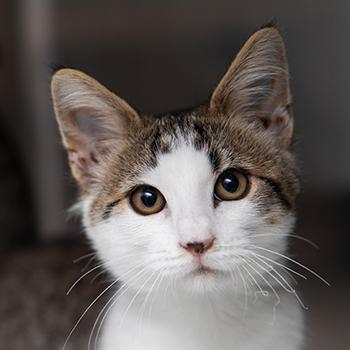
(82, 157)
(276, 115)
(280, 119)
(280, 124)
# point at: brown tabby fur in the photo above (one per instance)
(247, 125)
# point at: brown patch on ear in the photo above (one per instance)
(92, 121)
(256, 85)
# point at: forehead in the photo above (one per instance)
(181, 170)
(195, 141)
(225, 144)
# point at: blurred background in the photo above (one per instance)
(158, 55)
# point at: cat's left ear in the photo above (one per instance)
(257, 85)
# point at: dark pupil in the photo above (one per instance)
(230, 183)
(148, 198)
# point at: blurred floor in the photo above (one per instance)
(35, 312)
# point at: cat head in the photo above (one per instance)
(186, 196)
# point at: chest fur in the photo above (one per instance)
(202, 324)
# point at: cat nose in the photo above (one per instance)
(198, 248)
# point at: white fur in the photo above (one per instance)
(164, 304)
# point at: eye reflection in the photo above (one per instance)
(147, 200)
(230, 185)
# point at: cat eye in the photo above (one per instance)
(147, 200)
(230, 185)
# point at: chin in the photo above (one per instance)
(204, 280)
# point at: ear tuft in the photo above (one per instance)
(91, 120)
(256, 86)
(55, 67)
(271, 23)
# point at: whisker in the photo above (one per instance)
(116, 295)
(88, 264)
(295, 262)
(301, 238)
(278, 299)
(86, 311)
(286, 286)
(271, 268)
(143, 306)
(149, 293)
(93, 269)
(289, 288)
(281, 265)
(263, 292)
(166, 289)
(245, 291)
(97, 276)
(157, 288)
(135, 296)
(291, 277)
(83, 257)
(82, 276)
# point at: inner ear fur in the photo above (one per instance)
(256, 85)
(92, 120)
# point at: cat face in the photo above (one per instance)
(186, 198)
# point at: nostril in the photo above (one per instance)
(197, 248)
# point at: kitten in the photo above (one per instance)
(191, 211)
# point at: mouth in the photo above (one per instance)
(202, 270)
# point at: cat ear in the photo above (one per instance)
(92, 121)
(257, 85)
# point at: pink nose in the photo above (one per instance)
(198, 248)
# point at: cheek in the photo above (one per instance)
(235, 218)
(128, 239)
(274, 230)
(247, 217)
(114, 245)
(239, 225)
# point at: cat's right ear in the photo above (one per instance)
(92, 121)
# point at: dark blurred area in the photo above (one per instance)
(158, 55)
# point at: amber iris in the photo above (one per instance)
(147, 200)
(230, 185)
